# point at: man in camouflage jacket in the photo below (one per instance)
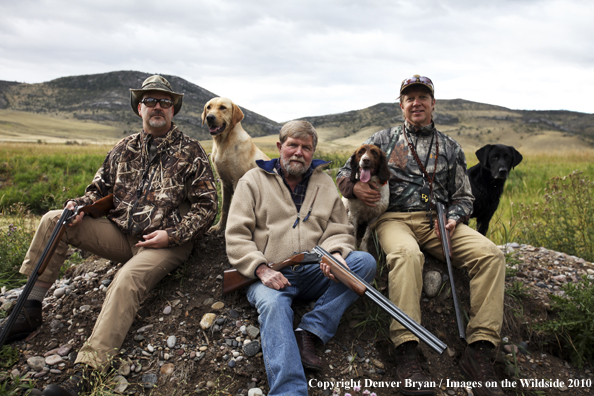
(427, 166)
(164, 197)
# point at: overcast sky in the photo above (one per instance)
(290, 59)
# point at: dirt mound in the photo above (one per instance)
(167, 351)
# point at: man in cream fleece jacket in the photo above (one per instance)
(286, 206)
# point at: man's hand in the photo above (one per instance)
(155, 240)
(450, 226)
(367, 193)
(326, 269)
(71, 205)
(271, 278)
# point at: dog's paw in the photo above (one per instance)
(216, 229)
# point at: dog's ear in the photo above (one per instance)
(204, 112)
(384, 171)
(354, 167)
(517, 157)
(237, 115)
(482, 154)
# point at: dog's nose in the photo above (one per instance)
(210, 118)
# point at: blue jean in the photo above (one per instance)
(279, 347)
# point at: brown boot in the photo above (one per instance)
(78, 383)
(28, 320)
(476, 366)
(409, 373)
(305, 342)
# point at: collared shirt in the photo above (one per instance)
(298, 195)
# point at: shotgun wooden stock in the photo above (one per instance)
(233, 280)
(97, 209)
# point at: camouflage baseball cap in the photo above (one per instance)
(155, 83)
(417, 79)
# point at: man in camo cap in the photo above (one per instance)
(428, 166)
(164, 197)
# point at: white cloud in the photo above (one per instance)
(292, 59)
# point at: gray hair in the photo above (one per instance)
(299, 130)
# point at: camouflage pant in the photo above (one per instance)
(142, 270)
(403, 235)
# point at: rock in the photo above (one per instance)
(208, 301)
(171, 341)
(125, 369)
(234, 314)
(432, 283)
(252, 348)
(85, 308)
(510, 348)
(59, 292)
(64, 350)
(377, 363)
(120, 383)
(207, 321)
(523, 347)
(150, 348)
(210, 384)
(231, 363)
(144, 328)
(167, 310)
(149, 380)
(37, 363)
(53, 359)
(218, 305)
(138, 338)
(255, 392)
(167, 369)
(253, 331)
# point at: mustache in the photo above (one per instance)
(157, 112)
(298, 159)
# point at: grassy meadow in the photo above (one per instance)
(43, 176)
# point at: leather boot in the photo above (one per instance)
(305, 342)
(81, 381)
(28, 320)
(476, 366)
(409, 371)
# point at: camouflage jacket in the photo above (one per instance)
(148, 193)
(451, 185)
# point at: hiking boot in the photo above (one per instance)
(476, 366)
(28, 320)
(408, 371)
(78, 383)
(305, 342)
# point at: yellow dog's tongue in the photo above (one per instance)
(365, 175)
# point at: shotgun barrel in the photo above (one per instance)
(361, 287)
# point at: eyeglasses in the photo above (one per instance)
(152, 102)
(415, 80)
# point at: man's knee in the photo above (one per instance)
(409, 255)
(363, 264)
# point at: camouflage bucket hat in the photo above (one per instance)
(155, 83)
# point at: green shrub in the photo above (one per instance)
(16, 233)
(564, 221)
(574, 325)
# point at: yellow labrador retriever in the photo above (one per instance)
(233, 152)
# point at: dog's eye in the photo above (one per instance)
(222, 108)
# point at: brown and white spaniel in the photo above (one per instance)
(368, 164)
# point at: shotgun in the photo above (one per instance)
(361, 287)
(446, 244)
(234, 280)
(97, 209)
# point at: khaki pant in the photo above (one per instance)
(403, 235)
(142, 270)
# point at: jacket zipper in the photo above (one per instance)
(141, 188)
(309, 211)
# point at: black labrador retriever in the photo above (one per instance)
(487, 179)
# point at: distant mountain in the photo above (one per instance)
(102, 102)
(105, 99)
(472, 124)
